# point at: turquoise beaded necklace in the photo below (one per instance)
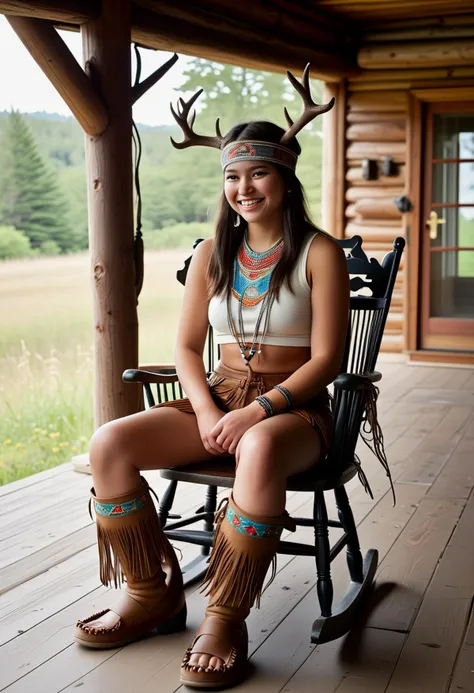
(252, 275)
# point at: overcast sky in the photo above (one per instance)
(23, 85)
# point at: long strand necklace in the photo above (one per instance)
(252, 275)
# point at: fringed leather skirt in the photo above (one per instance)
(231, 389)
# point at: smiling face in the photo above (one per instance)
(255, 190)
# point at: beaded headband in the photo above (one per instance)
(254, 150)
(277, 153)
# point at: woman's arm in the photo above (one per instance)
(192, 330)
(329, 279)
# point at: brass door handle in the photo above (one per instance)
(432, 223)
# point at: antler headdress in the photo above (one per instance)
(243, 150)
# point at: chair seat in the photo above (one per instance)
(221, 472)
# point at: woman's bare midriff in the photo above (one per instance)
(273, 359)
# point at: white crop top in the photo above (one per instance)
(290, 316)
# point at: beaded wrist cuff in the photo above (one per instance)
(286, 394)
(266, 404)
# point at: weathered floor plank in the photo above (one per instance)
(412, 561)
(463, 675)
(417, 636)
(429, 655)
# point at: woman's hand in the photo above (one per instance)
(228, 431)
(207, 420)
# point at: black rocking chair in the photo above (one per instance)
(368, 314)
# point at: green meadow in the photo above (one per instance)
(46, 353)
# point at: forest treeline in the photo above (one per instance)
(43, 198)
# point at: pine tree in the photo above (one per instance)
(236, 94)
(31, 200)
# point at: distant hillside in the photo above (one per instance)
(178, 187)
(61, 139)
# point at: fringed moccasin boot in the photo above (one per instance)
(134, 549)
(244, 548)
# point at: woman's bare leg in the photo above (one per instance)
(153, 439)
(267, 455)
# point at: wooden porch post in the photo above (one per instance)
(333, 171)
(107, 57)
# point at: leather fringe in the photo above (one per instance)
(238, 566)
(372, 435)
(131, 546)
(134, 551)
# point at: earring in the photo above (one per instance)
(237, 221)
(289, 191)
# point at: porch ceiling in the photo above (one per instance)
(265, 34)
(368, 13)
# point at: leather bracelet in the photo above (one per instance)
(286, 394)
(266, 404)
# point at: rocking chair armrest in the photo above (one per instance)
(159, 375)
(356, 381)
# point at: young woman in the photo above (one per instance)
(275, 289)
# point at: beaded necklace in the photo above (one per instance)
(252, 275)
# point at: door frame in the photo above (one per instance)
(414, 221)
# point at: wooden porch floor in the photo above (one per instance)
(416, 637)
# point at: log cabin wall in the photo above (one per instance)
(376, 126)
(396, 62)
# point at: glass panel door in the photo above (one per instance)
(448, 235)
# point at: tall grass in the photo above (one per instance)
(46, 352)
(46, 414)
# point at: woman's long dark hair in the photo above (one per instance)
(296, 220)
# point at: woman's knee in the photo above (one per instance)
(110, 445)
(256, 455)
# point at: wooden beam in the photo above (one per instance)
(270, 18)
(373, 116)
(367, 77)
(106, 42)
(440, 20)
(354, 177)
(446, 93)
(187, 30)
(392, 131)
(420, 34)
(374, 208)
(413, 219)
(53, 56)
(418, 54)
(411, 84)
(372, 11)
(354, 193)
(72, 11)
(333, 169)
(313, 14)
(380, 101)
(377, 150)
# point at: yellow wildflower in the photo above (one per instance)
(18, 445)
(7, 441)
(54, 435)
(63, 444)
(2, 463)
(55, 449)
(73, 447)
